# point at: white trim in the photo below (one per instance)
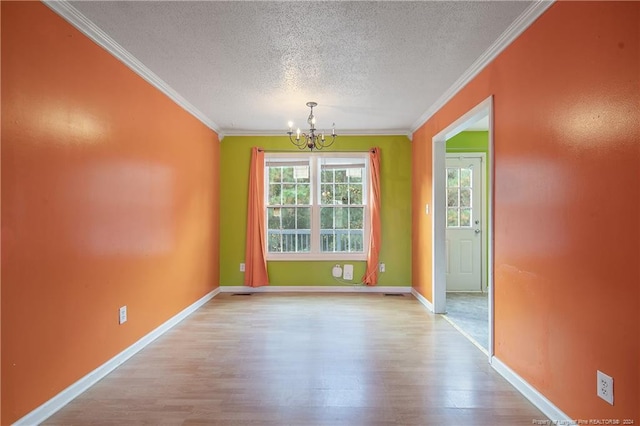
(50, 407)
(514, 30)
(422, 299)
(531, 393)
(91, 30)
(356, 288)
(438, 223)
(343, 132)
(439, 284)
(489, 186)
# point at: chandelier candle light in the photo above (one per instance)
(311, 140)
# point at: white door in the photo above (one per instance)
(464, 223)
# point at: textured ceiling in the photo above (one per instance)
(250, 66)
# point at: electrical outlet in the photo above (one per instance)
(242, 267)
(605, 387)
(382, 267)
(123, 315)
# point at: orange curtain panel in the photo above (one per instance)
(375, 232)
(255, 274)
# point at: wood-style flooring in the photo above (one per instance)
(305, 359)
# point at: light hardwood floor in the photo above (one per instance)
(305, 359)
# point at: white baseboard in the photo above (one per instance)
(314, 289)
(422, 299)
(531, 393)
(50, 407)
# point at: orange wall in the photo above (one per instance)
(0, 244)
(109, 198)
(566, 209)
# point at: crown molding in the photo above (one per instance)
(91, 30)
(283, 133)
(514, 30)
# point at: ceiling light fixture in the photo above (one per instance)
(311, 140)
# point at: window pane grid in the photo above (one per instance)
(342, 228)
(338, 201)
(288, 224)
(459, 197)
(289, 229)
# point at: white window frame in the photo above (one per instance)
(315, 185)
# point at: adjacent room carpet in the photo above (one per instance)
(470, 312)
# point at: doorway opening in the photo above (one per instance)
(462, 225)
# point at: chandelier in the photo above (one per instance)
(311, 140)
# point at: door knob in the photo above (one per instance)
(477, 231)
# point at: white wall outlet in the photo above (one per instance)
(382, 267)
(123, 315)
(336, 271)
(605, 387)
(426, 209)
(242, 267)
(348, 272)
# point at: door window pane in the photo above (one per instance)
(452, 176)
(459, 197)
(465, 217)
(452, 217)
(452, 197)
(465, 197)
(465, 177)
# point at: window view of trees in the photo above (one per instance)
(339, 202)
(341, 228)
(289, 191)
(459, 197)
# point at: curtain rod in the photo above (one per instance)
(301, 151)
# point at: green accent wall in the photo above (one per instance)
(472, 141)
(469, 142)
(395, 162)
(475, 141)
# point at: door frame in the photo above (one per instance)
(438, 170)
(483, 209)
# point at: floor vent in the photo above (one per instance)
(393, 294)
(242, 294)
